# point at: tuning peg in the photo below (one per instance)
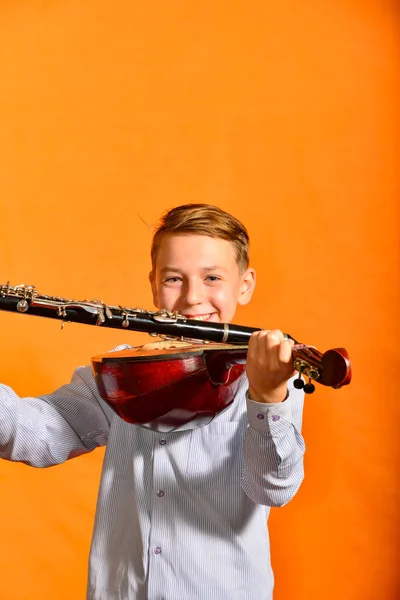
(299, 383)
(309, 388)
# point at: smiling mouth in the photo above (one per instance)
(205, 317)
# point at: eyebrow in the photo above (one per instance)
(176, 270)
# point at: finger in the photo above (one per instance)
(270, 344)
(268, 337)
(267, 343)
(274, 337)
(253, 341)
(285, 351)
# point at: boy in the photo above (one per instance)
(181, 515)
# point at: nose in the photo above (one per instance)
(193, 293)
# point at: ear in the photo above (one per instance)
(154, 290)
(247, 287)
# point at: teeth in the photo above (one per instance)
(200, 317)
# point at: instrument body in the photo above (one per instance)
(165, 387)
(169, 387)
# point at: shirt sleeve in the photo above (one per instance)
(273, 449)
(48, 430)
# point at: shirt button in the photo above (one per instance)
(260, 416)
(160, 493)
(157, 550)
(162, 442)
(275, 417)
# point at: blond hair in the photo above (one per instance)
(203, 219)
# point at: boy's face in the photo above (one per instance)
(198, 276)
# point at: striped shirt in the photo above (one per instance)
(180, 515)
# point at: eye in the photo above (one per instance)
(213, 278)
(172, 279)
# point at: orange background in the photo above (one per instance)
(287, 115)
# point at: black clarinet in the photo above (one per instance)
(25, 299)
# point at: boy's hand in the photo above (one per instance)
(269, 366)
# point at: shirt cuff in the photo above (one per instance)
(268, 417)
